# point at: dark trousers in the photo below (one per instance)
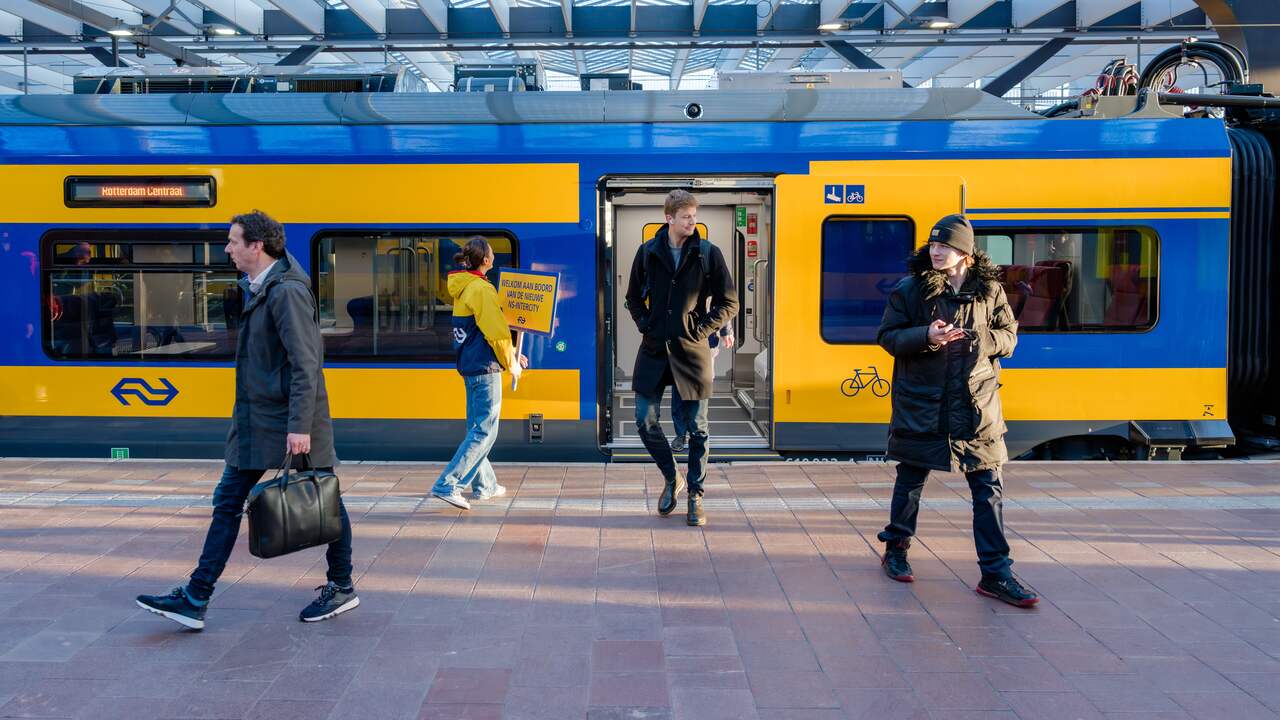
(988, 514)
(228, 504)
(693, 416)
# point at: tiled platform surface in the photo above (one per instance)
(571, 599)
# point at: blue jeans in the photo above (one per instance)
(988, 514)
(470, 464)
(677, 418)
(228, 503)
(692, 415)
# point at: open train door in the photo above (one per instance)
(842, 241)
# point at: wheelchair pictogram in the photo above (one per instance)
(863, 379)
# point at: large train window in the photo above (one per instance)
(1101, 279)
(386, 295)
(139, 295)
(862, 259)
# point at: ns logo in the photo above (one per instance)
(459, 335)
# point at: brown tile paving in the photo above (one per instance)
(523, 610)
(1051, 706)
(882, 705)
(708, 704)
(469, 685)
(631, 689)
(626, 656)
(792, 690)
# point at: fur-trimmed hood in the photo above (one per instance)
(982, 280)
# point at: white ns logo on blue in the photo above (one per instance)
(459, 335)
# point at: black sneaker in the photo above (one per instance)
(176, 606)
(333, 601)
(895, 562)
(1006, 589)
(680, 443)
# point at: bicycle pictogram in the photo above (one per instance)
(860, 381)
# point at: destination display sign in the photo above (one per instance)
(136, 191)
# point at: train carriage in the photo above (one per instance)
(119, 307)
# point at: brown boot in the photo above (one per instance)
(667, 500)
(696, 517)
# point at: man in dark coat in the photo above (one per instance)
(673, 276)
(947, 324)
(281, 409)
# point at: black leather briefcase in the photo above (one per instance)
(293, 511)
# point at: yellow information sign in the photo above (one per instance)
(528, 299)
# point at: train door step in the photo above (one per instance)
(627, 453)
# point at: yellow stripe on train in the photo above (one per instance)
(375, 194)
(357, 393)
(1067, 183)
(1102, 394)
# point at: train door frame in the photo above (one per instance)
(608, 310)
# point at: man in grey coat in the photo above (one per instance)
(281, 410)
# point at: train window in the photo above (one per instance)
(386, 296)
(862, 259)
(139, 295)
(1078, 279)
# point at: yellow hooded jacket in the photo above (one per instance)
(481, 337)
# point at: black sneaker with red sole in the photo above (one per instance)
(1006, 589)
(895, 562)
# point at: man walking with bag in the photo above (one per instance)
(281, 409)
(673, 276)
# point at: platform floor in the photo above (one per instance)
(571, 599)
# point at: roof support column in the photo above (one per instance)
(1024, 67)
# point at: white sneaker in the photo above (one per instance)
(498, 491)
(454, 498)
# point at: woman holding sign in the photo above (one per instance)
(482, 342)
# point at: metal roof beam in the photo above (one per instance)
(855, 57)
(99, 19)
(699, 12)
(677, 68)
(729, 59)
(784, 59)
(244, 14)
(371, 13)
(764, 18)
(437, 11)
(831, 10)
(566, 9)
(437, 68)
(175, 14)
(43, 16)
(307, 13)
(1020, 71)
(301, 55)
(1096, 11)
(502, 14)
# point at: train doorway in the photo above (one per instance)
(736, 215)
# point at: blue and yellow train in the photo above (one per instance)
(118, 306)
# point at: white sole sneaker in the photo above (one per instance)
(182, 620)
(355, 603)
(497, 492)
(455, 500)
